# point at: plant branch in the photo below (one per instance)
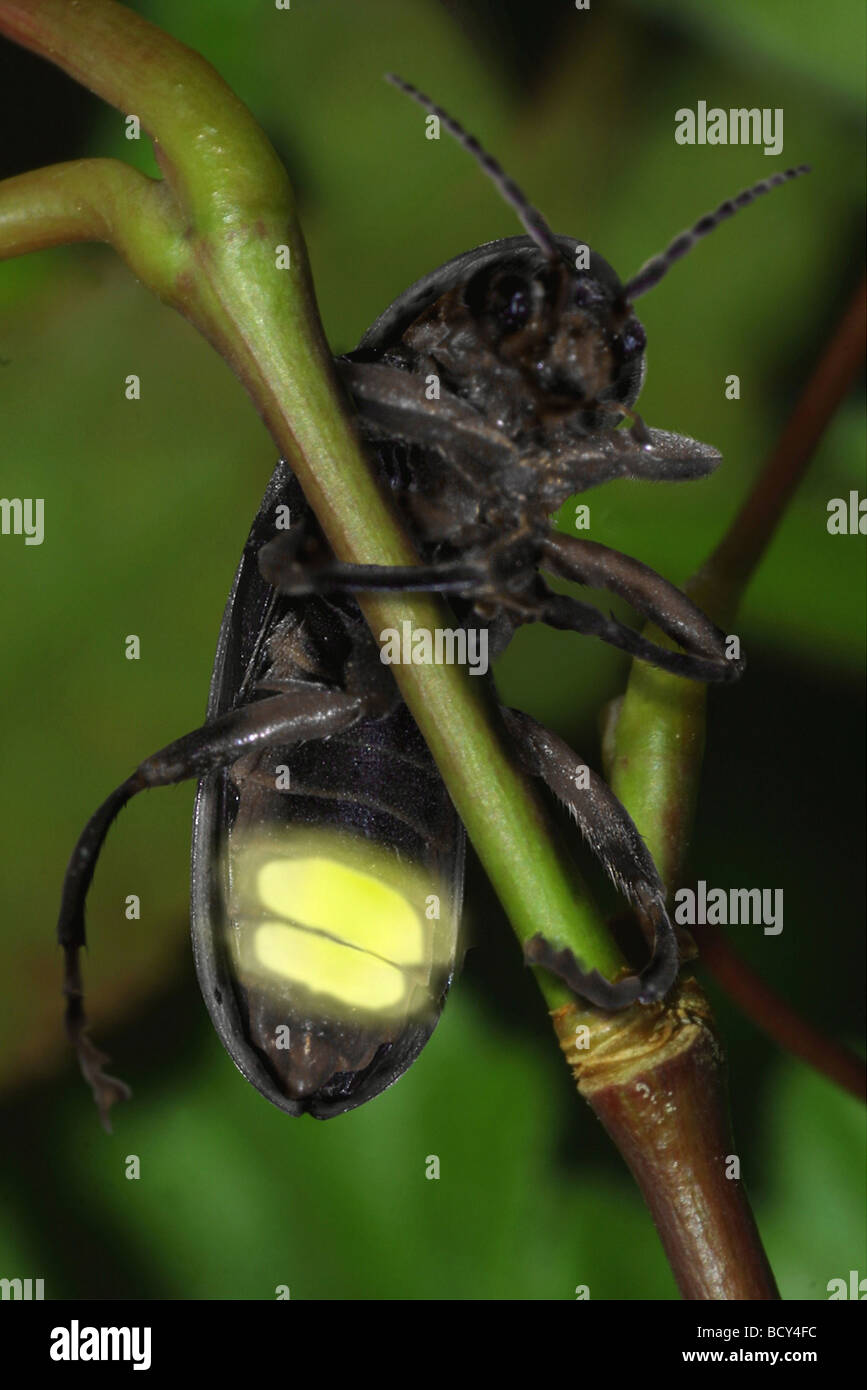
(777, 1018)
(89, 200)
(655, 749)
(654, 1075)
(228, 211)
(654, 746)
(720, 582)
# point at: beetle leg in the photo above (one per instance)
(563, 611)
(278, 566)
(393, 404)
(599, 567)
(312, 713)
(642, 452)
(614, 839)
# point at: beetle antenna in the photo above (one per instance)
(651, 273)
(531, 218)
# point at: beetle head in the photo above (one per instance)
(570, 330)
(533, 345)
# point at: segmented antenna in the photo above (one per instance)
(651, 273)
(532, 219)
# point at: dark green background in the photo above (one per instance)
(147, 506)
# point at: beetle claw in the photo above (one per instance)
(589, 984)
(106, 1089)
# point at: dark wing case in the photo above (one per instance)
(377, 778)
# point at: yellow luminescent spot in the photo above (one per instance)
(326, 967)
(352, 905)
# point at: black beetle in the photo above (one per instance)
(327, 857)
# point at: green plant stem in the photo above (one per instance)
(657, 742)
(90, 200)
(656, 747)
(226, 210)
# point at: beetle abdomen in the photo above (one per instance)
(326, 933)
(340, 917)
(338, 945)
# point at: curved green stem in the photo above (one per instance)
(219, 241)
(91, 200)
(656, 747)
(656, 744)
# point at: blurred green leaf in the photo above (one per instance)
(822, 42)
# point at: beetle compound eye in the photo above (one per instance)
(504, 303)
(515, 314)
(633, 339)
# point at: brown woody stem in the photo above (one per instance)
(655, 1077)
(720, 582)
(779, 1020)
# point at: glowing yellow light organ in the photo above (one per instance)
(338, 946)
